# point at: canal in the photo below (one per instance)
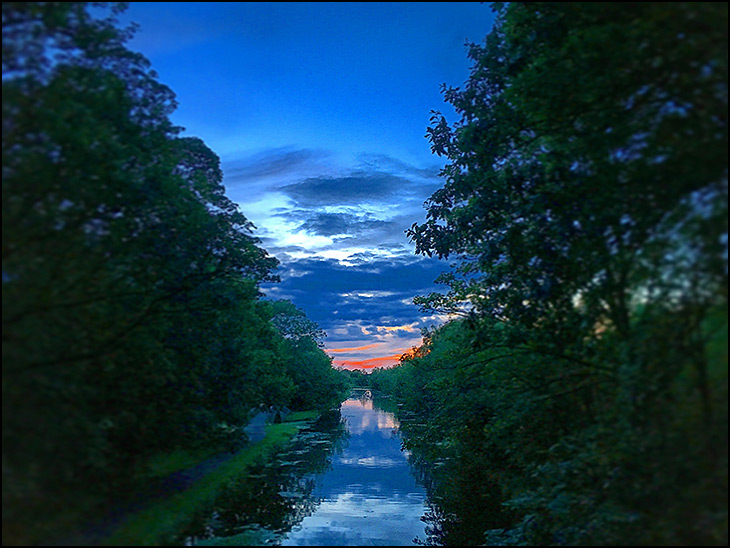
(344, 481)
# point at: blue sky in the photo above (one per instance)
(318, 112)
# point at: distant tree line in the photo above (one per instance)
(579, 395)
(133, 320)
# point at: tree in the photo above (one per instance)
(292, 323)
(586, 131)
(585, 210)
(316, 382)
(131, 322)
(586, 187)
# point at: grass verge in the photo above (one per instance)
(162, 521)
(164, 464)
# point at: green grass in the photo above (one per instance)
(295, 416)
(162, 521)
(164, 464)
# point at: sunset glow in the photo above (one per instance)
(369, 363)
(355, 349)
(375, 362)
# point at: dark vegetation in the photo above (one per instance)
(578, 396)
(133, 321)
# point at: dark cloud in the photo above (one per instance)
(280, 252)
(379, 293)
(364, 213)
(272, 163)
(400, 248)
(348, 228)
(359, 203)
(356, 188)
(328, 224)
(393, 165)
(331, 224)
(403, 272)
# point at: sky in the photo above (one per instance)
(318, 112)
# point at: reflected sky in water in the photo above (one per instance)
(369, 497)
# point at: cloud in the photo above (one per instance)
(408, 328)
(394, 165)
(331, 224)
(366, 309)
(370, 363)
(368, 294)
(306, 203)
(338, 232)
(354, 349)
(369, 281)
(356, 188)
(274, 163)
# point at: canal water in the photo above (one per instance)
(344, 481)
(369, 496)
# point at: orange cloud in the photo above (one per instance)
(370, 363)
(355, 349)
(410, 328)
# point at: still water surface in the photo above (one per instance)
(369, 497)
(344, 481)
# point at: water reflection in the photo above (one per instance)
(463, 497)
(343, 482)
(266, 502)
(369, 496)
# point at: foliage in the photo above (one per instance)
(133, 323)
(591, 140)
(584, 205)
(317, 383)
(535, 450)
(162, 521)
(356, 378)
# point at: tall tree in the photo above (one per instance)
(131, 321)
(589, 136)
(585, 210)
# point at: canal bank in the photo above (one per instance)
(161, 521)
(338, 479)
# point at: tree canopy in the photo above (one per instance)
(589, 163)
(581, 395)
(133, 319)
